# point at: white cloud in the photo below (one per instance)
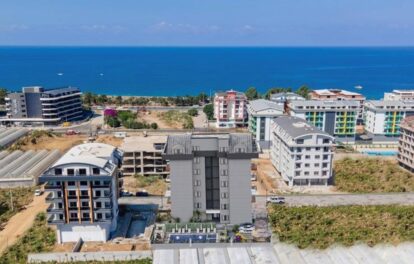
(166, 27)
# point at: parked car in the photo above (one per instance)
(142, 193)
(276, 200)
(246, 228)
(71, 132)
(125, 193)
(38, 192)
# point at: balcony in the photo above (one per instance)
(52, 220)
(51, 197)
(52, 187)
(52, 209)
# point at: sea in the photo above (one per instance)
(178, 71)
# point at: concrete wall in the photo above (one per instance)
(72, 232)
(182, 202)
(240, 191)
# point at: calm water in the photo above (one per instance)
(180, 71)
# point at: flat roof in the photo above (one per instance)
(325, 103)
(141, 143)
(335, 92)
(296, 127)
(385, 103)
(262, 104)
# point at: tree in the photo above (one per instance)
(303, 91)
(3, 94)
(154, 125)
(209, 111)
(251, 93)
(113, 122)
(276, 90)
(192, 112)
(118, 100)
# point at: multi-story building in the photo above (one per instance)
(282, 98)
(397, 95)
(337, 118)
(142, 156)
(261, 112)
(406, 144)
(83, 186)
(383, 117)
(301, 152)
(35, 105)
(210, 176)
(230, 109)
(338, 94)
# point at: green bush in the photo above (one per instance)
(321, 227)
(192, 112)
(209, 111)
(113, 122)
(154, 125)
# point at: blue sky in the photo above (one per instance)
(207, 22)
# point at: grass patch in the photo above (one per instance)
(39, 238)
(175, 117)
(321, 227)
(145, 181)
(372, 175)
(139, 261)
(20, 197)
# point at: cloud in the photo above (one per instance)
(166, 27)
(103, 28)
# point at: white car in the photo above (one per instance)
(38, 192)
(246, 228)
(275, 200)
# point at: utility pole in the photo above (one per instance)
(11, 200)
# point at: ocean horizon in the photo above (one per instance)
(178, 71)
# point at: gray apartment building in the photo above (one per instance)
(36, 105)
(210, 176)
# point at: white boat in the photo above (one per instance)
(359, 87)
(60, 73)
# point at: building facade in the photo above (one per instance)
(230, 109)
(210, 176)
(282, 98)
(383, 117)
(406, 144)
(142, 156)
(338, 94)
(35, 105)
(337, 118)
(261, 112)
(83, 193)
(399, 95)
(301, 152)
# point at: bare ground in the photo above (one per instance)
(157, 188)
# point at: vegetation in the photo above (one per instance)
(144, 181)
(192, 112)
(33, 137)
(3, 94)
(321, 227)
(175, 116)
(276, 90)
(252, 94)
(209, 111)
(12, 201)
(372, 175)
(39, 238)
(303, 91)
(127, 119)
(138, 261)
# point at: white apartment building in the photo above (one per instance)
(337, 118)
(210, 176)
(406, 144)
(282, 98)
(261, 112)
(83, 193)
(397, 95)
(383, 117)
(230, 109)
(300, 152)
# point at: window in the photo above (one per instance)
(317, 156)
(82, 171)
(71, 183)
(316, 173)
(225, 218)
(85, 204)
(107, 215)
(224, 172)
(308, 149)
(306, 173)
(177, 151)
(316, 165)
(72, 193)
(107, 205)
(297, 173)
(197, 205)
(223, 149)
(324, 165)
(98, 216)
(96, 171)
(97, 183)
(58, 171)
(307, 157)
(196, 160)
(83, 183)
(326, 141)
(196, 148)
(59, 194)
(299, 141)
(97, 193)
(224, 183)
(73, 215)
(224, 206)
(325, 157)
(85, 215)
(240, 150)
(196, 172)
(197, 183)
(197, 194)
(84, 193)
(98, 205)
(224, 195)
(223, 161)
(297, 165)
(73, 204)
(70, 172)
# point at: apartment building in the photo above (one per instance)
(83, 186)
(399, 95)
(301, 152)
(282, 98)
(210, 176)
(142, 156)
(406, 144)
(337, 118)
(261, 112)
(338, 94)
(36, 105)
(383, 117)
(230, 109)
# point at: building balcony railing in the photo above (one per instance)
(51, 197)
(52, 220)
(52, 187)
(52, 209)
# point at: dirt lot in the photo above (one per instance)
(156, 188)
(265, 177)
(154, 116)
(109, 139)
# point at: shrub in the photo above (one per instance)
(154, 125)
(192, 112)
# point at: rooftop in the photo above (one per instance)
(297, 127)
(230, 92)
(334, 92)
(96, 154)
(325, 103)
(140, 143)
(385, 103)
(262, 104)
(408, 122)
